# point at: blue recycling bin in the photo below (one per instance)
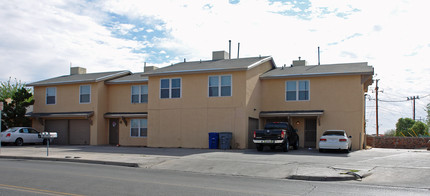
(225, 140)
(213, 140)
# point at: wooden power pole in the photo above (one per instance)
(377, 123)
(413, 99)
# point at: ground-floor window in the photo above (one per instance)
(139, 128)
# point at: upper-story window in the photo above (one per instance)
(84, 94)
(139, 94)
(220, 86)
(51, 95)
(297, 90)
(170, 88)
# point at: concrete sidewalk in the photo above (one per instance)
(302, 164)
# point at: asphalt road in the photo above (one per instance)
(25, 177)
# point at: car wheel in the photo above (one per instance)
(19, 142)
(260, 147)
(321, 150)
(286, 146)
(296, 145)
(272, 147)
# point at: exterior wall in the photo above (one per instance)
(119, 97)
(341, 98)
(99, 130)
(67, 100)
(120, 101)
(254, 93)
(186, 121)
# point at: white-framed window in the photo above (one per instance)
(85, 94)
(139, 94)
(51, 95)
(170, 88)
(220, 86)
(139, 128)
(297, 90)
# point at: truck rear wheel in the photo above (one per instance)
(286, 146)
(260, 147)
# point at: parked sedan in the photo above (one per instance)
(21, 135)
(335, 140)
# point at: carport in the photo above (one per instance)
(305, 121)
(73, 128)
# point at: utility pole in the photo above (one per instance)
(413, 99)
(377, 123)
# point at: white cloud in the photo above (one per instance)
(390, 35)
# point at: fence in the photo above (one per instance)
(398, 142)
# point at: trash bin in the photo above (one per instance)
(225, 140)
(213, 140)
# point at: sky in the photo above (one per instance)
(42, 39)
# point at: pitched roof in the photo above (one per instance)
(80, 78)
(211, 66)
(133, 78)
(320, 70)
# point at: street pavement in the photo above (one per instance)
(394, 167)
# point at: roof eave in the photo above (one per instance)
(261, 62)
(315, 75)
(62, 83)
(126, 82)
(111, 76)
(195, 71)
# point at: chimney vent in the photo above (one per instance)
(299, 62)
(150, 68)
(219, 55)
(77, 70)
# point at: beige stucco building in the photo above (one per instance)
(178, 105)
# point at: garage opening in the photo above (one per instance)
(69, 131)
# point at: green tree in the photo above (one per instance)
(13, 114)
(419, 128)
(8, 88)
(403, 125)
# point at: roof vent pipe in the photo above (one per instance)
(238, 48)
(229, 49)
(318, 55)
(144, 66)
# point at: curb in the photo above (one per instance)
(322, 178)
(113, 163)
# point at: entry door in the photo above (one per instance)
(252, 126)
(113, 131)
(310, 133)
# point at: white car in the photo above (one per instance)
(21, 135)
(335, 140)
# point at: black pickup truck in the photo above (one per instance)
(276, 134)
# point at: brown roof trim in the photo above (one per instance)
(126, 115)
(291, 113)
(61, 115)
(315, 75)
(195, 71)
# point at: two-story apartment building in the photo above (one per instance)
(178, 105)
